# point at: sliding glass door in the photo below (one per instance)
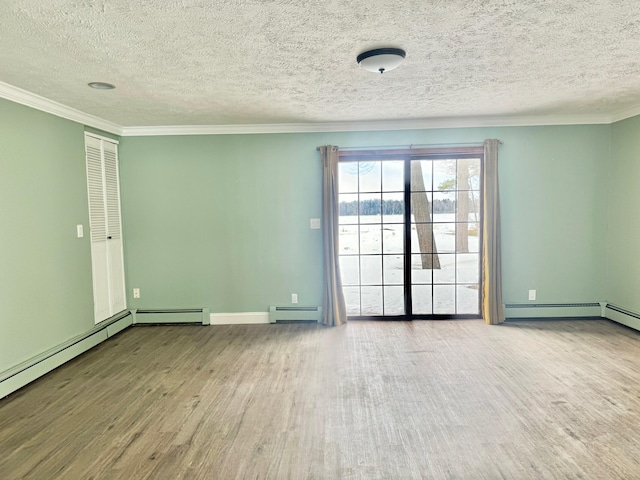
(372, 247)
(410, 236)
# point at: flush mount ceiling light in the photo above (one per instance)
(101, 86)
(381, 59)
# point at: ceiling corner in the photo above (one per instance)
(23, 97)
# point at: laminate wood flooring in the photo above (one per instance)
(368, 400)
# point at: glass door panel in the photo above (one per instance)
(372, 254)
(445, 221)
(421, 215)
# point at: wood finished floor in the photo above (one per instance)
(369, 400)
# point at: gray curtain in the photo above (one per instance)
(492, 308)
(333, 307)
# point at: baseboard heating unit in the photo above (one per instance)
(284, 314)
(552, 310)
(621, 315)
(35, 367)
(193, 316)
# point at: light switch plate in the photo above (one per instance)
(80, 231)
(314, 223)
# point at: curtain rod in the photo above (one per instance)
(416, 145)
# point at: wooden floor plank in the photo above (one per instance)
(369, 400)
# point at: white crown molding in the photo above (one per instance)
(23, 97)
(29, 99)
(625, 113)
(419, 124)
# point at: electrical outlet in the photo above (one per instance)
(532, 294)
(294, 298)
(136, 293)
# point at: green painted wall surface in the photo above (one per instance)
(554, 205)
(45, 271)
(623, 253)
(223, 221)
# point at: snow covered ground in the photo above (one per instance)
(372, 268)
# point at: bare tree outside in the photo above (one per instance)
(444, 200)
(462, 207)
(422, 215)
(466, 170)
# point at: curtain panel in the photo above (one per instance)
(333, 306)
(492, 307)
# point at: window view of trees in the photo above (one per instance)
(467, 174)
(422, 215)
(391, 207)
(444, 217)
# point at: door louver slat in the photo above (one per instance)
(96, 198)
(112, 194)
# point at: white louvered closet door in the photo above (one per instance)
(106, 231)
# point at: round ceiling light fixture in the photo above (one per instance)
(101, 85)
(381, 59)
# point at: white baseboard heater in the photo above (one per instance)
(193, 316)
(39, 365)
(284, 314)
(552, 310)
(621, 315)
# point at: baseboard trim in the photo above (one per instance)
(39, 365)
(548, 310)
(623, 316)
(242, 318)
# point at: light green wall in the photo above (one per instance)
(45, 271)
(220, 221)
(553, 208)
(223, 221)
(623, 251)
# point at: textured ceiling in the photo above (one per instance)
(287, 61)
